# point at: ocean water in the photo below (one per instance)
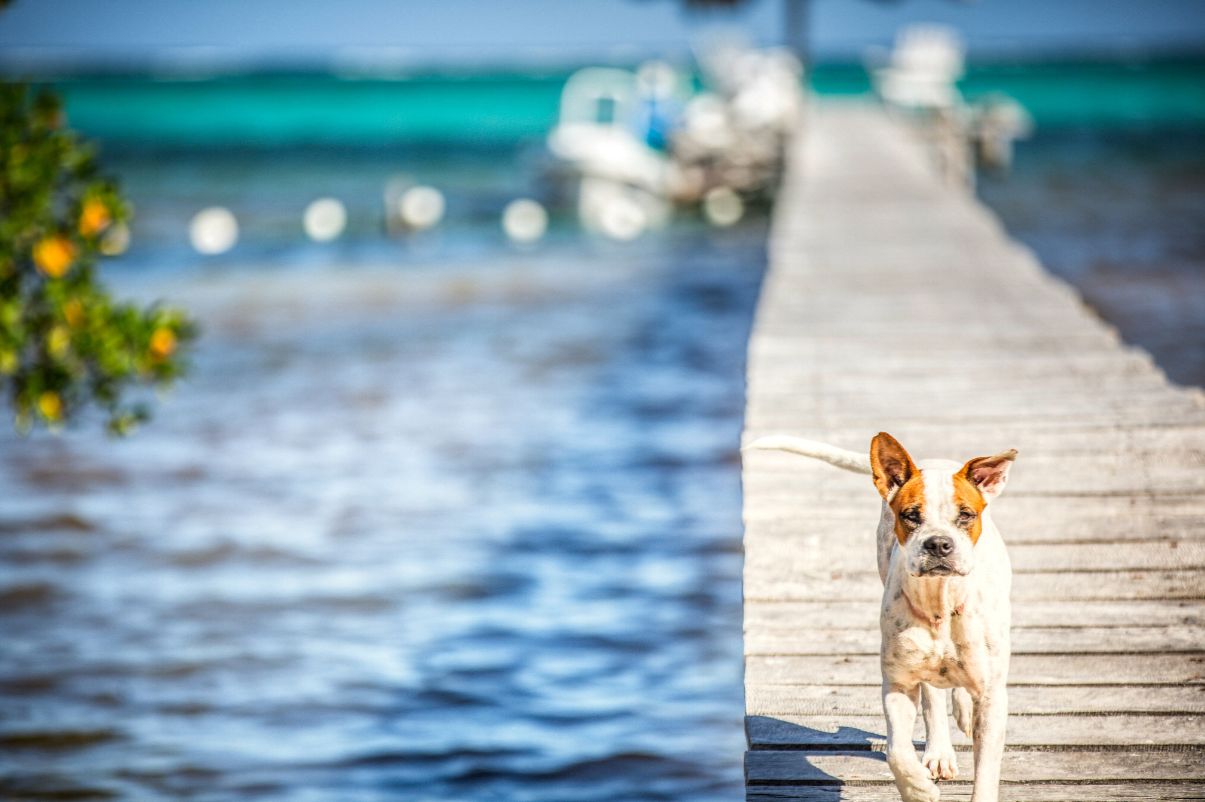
(1099, 94)
(438, 517)
(314, 108)
(430, 519)
(1119, 212)
(1108, 192)
(309, 108)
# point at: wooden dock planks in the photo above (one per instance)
(896, 302)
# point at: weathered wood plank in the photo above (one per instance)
(830, 768)
(1031, 669)
(802, 639)
(1113, 730)
(881, 415)
(1162, 473)
(811, 551)
(1032, 440)
(865, 700)
(1137, 791)
(865, 586)
(831, 613)
(1175, 476)
(1038, 461)
(1023, 525)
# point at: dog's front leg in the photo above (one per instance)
(939, 757)
(991, 719)
(911, 777)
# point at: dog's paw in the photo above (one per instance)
(941, 763)
(923, 791)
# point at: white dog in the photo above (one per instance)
(945, 615)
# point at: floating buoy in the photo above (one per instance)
(623, 219)
(325, 219)
(116, 240)
(213, 230)
(723, 207)
(524, 220)
(421, 207)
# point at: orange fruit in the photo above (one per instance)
(163, 343)
(54, 255)
(94, 218)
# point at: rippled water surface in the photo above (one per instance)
(450, 529)
(1120, 213)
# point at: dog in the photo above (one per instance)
(945, 615)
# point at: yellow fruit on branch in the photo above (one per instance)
(54, 255)
(50, 405)
(66, 343)
(94, 218)
(58, 341)
(163, 343)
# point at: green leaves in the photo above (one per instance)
(64, 343)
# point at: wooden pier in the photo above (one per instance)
(896, 302)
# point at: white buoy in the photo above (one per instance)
(325, 219)
(421, 207)
(213, 230)
(623, 219)
(722, 207)
(524, 220)
(116, 240)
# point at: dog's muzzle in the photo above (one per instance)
(938, 557)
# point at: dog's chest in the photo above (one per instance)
(939, 658)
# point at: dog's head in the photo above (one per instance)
(938, 506)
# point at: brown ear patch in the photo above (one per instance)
(967, 496)
(890, 463)
(910, 497)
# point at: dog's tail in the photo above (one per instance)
(848, 460)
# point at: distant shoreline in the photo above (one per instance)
(204, 63)
(466, 107)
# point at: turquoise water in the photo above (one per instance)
(1100, 94)
(1068, 94)
(268, 110)
(496, 109)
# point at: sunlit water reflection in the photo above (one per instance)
(443, 532)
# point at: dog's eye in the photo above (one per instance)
(966, 516)
(911, 516)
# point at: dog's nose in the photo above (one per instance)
(939, 545)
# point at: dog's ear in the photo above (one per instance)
(990, 474)
(890, 464)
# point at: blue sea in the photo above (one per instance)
(440, 517)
